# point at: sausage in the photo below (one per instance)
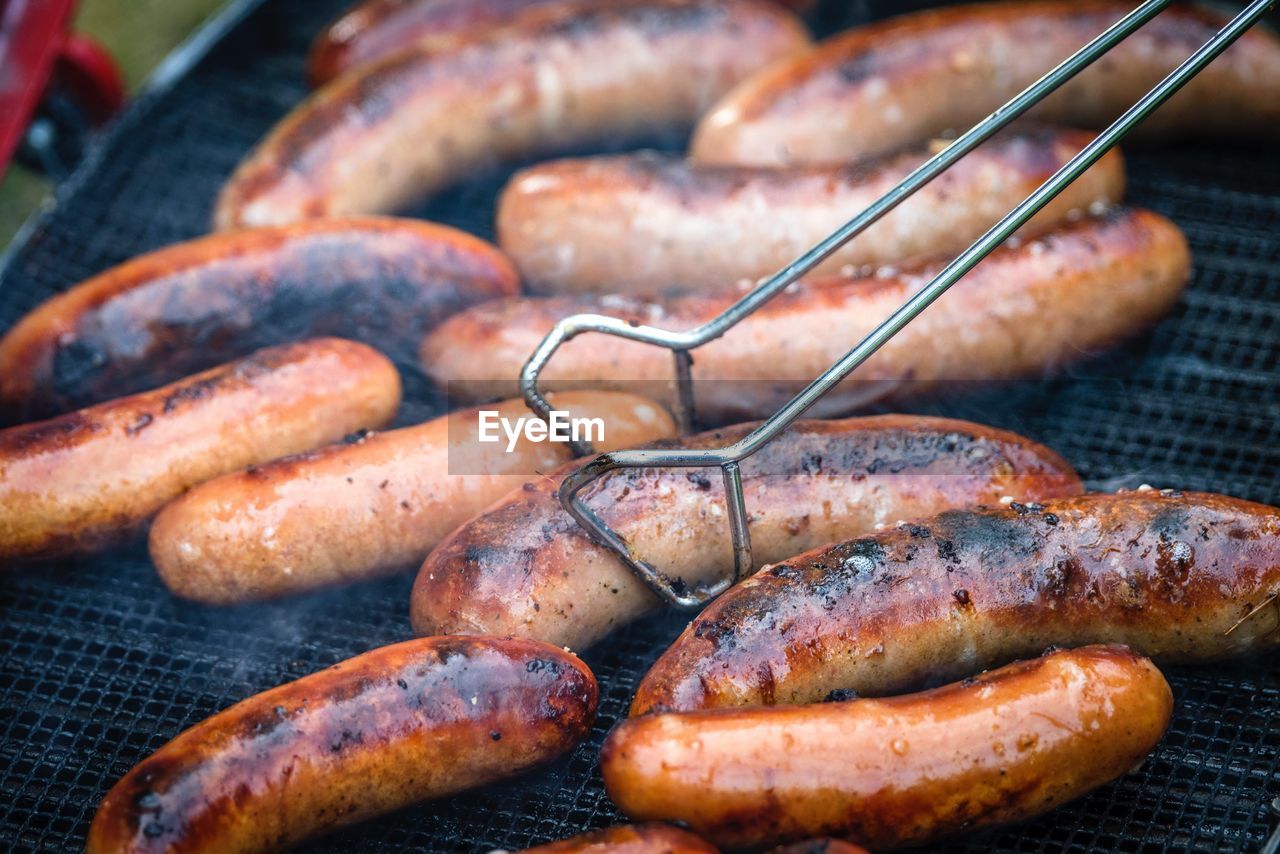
(1183, 578)
(95, 476)
(629, 839)
(1028, 308)
(1002, 747)
(372, 505)
(525, 567)
(916, 76)
(417, 720)
(644, 224)
(401, 129)
(167, 314)
(374, 29)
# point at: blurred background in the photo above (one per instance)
(138, 33)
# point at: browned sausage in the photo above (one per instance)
(375, 29)
(1179, 577)
(648, 223)
(525, 567)
(1025, 310)
(185, 308)
(558, 76)
(1005, 746)
(91, 477)
(914, 77)
(629, 839)
(375, 504)
(418, 720)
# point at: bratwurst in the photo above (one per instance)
(556, 77)
(417, 720)
(374, 504)
(914, 77)
(644, 224)
(1180, 577)
(188, 307)
(95, 476)
(1002, 747)
(526, 567)
(1026, 309)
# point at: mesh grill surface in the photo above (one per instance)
(99, 666)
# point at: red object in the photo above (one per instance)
(38, 50)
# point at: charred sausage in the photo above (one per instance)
(1025, 310)
(418, 720)
(1179, 577)
(643, 224)
(558, 76)
(95, 476)
(1002, 747)
(914, 77)
(372, 505)
(375, 29)
(525, 567)
(170, 313)
(630, 839)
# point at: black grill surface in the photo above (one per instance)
(100, 666)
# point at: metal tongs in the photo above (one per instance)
(675, 591)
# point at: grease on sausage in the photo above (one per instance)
(557, 77)
(644, 224)
(417, 720)
(1002, 747)
(526, 567)
(188, 307)
(366, 507)
(95, 476)
(917, 76)
(1025, 310)
(1182, 578)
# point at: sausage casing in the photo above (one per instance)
(188, 307)
(374, 29)
(91, 477)
(1024, 310)
(404, 723)
(1180, 577)
(629, 839)
(644, 224)
(910, 770)
(914, 77)
(556, 77)
(369, 506)
(526, 567)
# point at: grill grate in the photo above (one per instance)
(99, 665)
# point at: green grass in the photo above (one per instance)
(138, 33)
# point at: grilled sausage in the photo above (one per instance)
(629, 839)
(647, 223)
(557, 77)
(372, 505)
(910, 78)
(1024, 310)
(374, 29)
(1002, 747)
(185, 308)
(525, 567)
(1179, 577)
(95, 476)
(417, 720)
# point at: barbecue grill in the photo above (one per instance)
(99, 665)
